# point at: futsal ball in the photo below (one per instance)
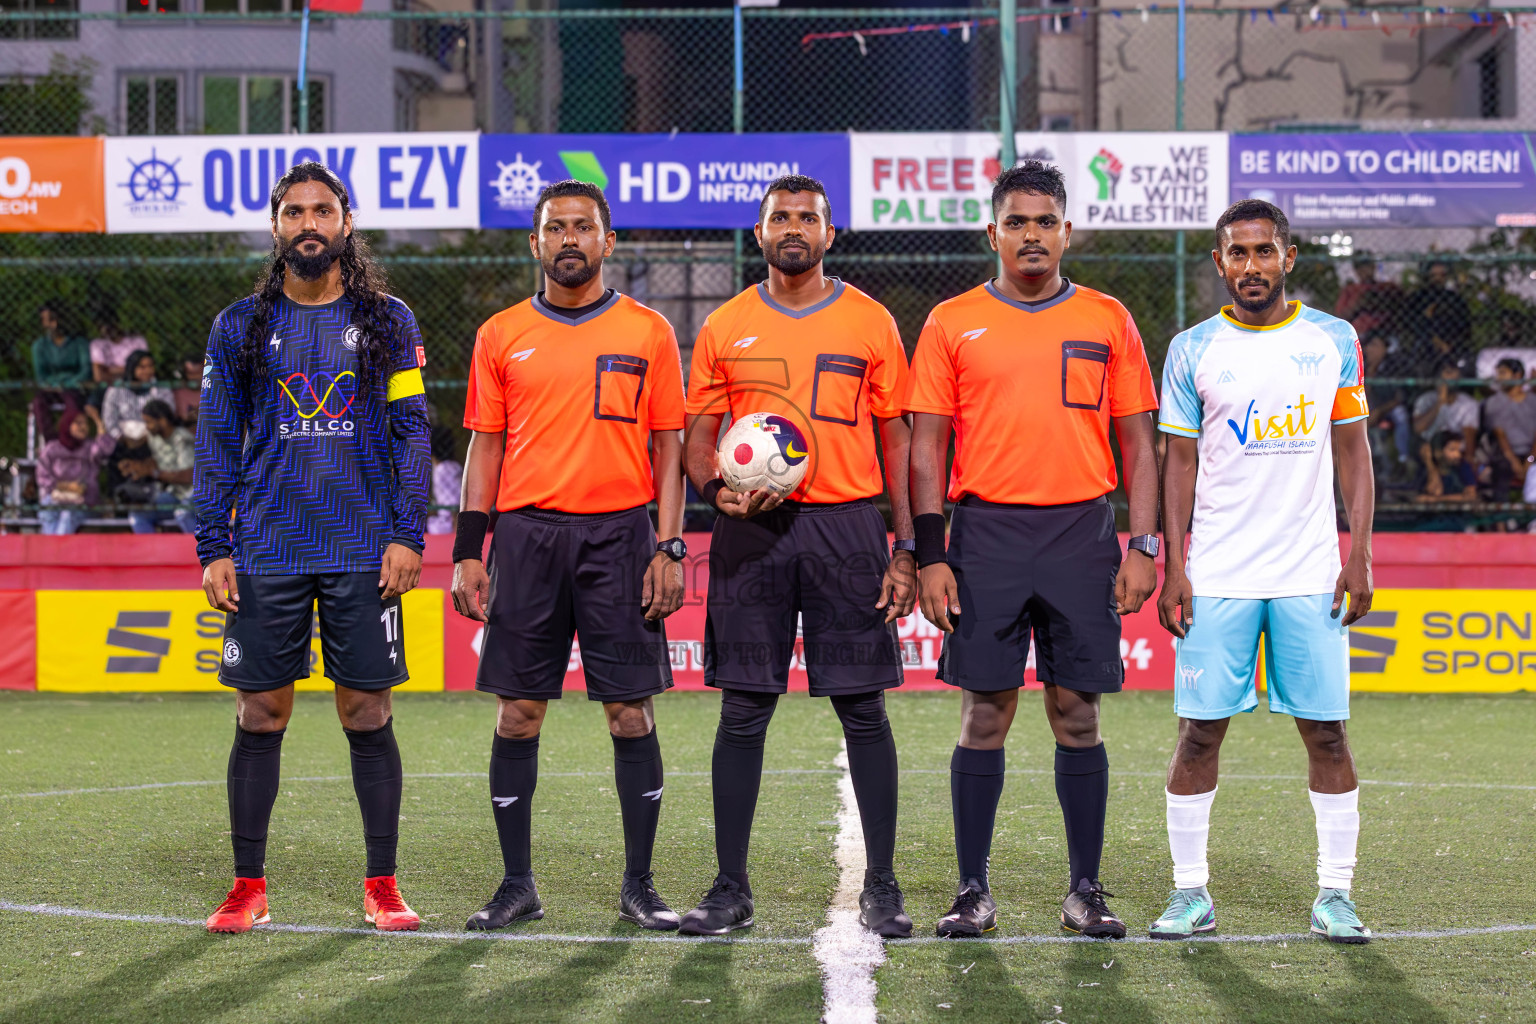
(763, 451)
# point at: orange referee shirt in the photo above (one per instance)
(830, 368)
(578, 400)
(1031, 388)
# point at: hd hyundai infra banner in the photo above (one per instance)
(1451, 179)
(658, 181)
(173, 183)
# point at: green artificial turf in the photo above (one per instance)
(1450, 851)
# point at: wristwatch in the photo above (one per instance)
(1148, 544)
(674, 549)
(909, 546)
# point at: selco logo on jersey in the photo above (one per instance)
(318, 406)
(1263, 434)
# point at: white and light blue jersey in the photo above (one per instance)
(1262, 401)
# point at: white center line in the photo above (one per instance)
(848, 952)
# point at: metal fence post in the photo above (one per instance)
(738, 121)
(1008, 83)
(1178, 236)
(303, 81)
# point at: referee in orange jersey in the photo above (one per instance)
(828, 358)
(576, 404)
(1028, 371)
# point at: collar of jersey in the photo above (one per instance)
(319, 307)
(800, 314)
(1066, 293)
(1226, 314)
(539, 305)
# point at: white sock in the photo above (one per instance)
(1189, 826)
(1338, 833)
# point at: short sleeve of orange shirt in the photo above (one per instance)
(832, 369)
(578, 400)
(1031, 389)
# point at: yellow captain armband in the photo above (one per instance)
(405, 384)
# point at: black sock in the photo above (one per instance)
(514, 777)
(975, 787)
(378, 781)
(637, 777)
(1082, 787)
(254, 764)
(872, 766)
(736, 772)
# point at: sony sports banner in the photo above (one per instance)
(180, 183)
(658, 181)
(942, 181)
(1450, 179)
(50, 184)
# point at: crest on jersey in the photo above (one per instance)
(351, 336)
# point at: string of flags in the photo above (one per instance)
(1317, 18)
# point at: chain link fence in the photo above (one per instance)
(161, 67)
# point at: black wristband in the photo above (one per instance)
(928, 532)
(711, 491)
(469, 541)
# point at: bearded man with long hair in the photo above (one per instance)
(311, 484)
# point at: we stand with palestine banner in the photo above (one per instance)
(882, 181)
(934, 181)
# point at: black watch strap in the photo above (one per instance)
(1147, 543)
(674, 549)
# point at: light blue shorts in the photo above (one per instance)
(1306, 658)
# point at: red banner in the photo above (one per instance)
(117, 563)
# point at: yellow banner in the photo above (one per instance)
(141, 640)
(1445, 641)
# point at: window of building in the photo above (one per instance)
(259, 105)
(152, 6)
(152, 105)
(251, 6)
(39, 29)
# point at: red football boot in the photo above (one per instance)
(243, 909)
(384, 909)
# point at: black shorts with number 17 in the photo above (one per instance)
(267, 642)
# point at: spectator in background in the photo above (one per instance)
(67, 471)
(61, 365)
(188, 392)
(168, 469)
(110, 352)
(1439, 323)
(1509, 419)
(447, 479)
(132, 448)
(1447, 409)
(1368, 304)
(125, 400)
(1389, 404)
(1448, 476)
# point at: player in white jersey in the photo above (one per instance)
(1256, 401)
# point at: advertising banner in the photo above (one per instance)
(942, 181)
(1451, 179)
(142, 640)
(1445, 641)
(50, 184)
(179, 183)
(658, 181)
(1146, 180)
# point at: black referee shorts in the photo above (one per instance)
(822, 564)
(560, 575)
(1046, 571)
(267, 642)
